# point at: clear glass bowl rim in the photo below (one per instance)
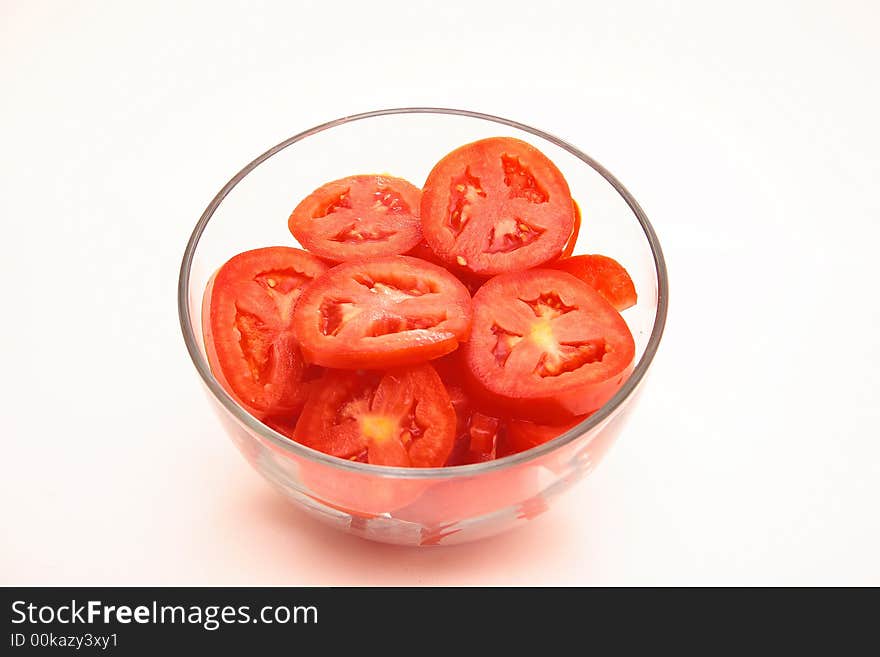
(286, 444)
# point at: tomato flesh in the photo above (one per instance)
(359, 217)
(247, 316)
(382, 312)
(603, 274)
(545, 344)
(496, 205)
(402, 417)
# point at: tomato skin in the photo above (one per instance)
(381, 313)
(496, 205)
(572, 240)
(402, 417)
(247, 313)
(521, 435)
(360, 216)
(603, 274)
(544, 345)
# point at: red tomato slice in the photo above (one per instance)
(544, 344)
(400, 418)
(496, 205)
(603, 274)
(523, 434)
(572, 240)
(359, 217)
(247, 315)
(380, 313)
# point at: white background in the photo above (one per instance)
(748, 132)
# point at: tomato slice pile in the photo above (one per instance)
(441, 326)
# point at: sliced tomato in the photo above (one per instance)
(572, 240)
(483, 430)
(521, 435)
(400, 418)
(359, 217)
(380, 313)
(603, 274)
(496, 205)
(285, 421)
(423, 251)
(546, 345)
(247, 319)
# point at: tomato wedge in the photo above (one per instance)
(496, 205)
(380, 313)
(545, 345)
(247, 315)
(400, 418)
(603, 274)
(359, 217)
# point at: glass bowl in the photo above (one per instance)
(418, 506)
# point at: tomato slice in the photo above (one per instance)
(247, 316)
(572, 240)
(496, 205)
(521, 435)
(380, 313)
(603, 274)
(400, 418)
(359, 217)
(544, 344)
